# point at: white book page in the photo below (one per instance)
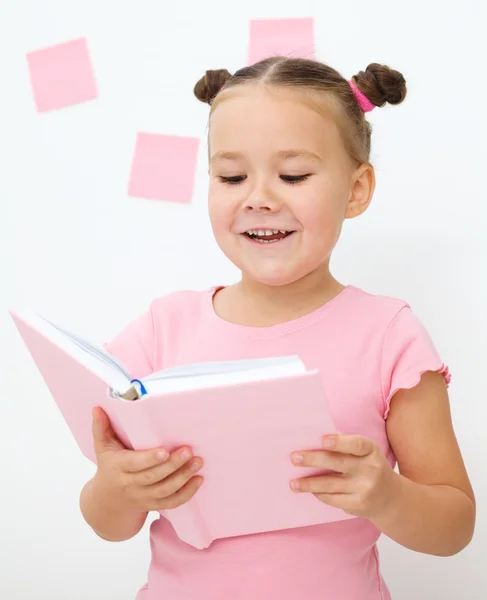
(229, 366)
(98, 360)
(180, 378)
(226, 373)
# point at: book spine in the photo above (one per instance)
(116, 417)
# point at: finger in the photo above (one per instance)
(135, 461)
(357, 445)
(104, 438)
(341, 501)
(321, 459)
(323, 484)
(180, 497)
(158, 472)
(171, 484)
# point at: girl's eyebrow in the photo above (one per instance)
(222, 156)
(283, 154)
(299, 153)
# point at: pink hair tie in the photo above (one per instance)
(364, 103)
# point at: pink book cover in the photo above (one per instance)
(245, 434)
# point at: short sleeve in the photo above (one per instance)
(134, 345)
(408, 352)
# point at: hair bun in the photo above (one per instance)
(210, 84)
(381, 84)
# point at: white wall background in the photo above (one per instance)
(74, 247)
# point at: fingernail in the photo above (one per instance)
(185, 455)
(295, 484)
(162, 455)
(195, 466)
(297, 459)
(328, 442)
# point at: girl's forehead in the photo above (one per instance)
(273, 106)
(283, 114)
(263, 96)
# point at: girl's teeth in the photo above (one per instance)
(255, 234)
(265, 232)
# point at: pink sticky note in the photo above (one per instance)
(287, 37)
(164, 167)
(61, 75)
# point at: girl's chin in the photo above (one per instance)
(273, 278)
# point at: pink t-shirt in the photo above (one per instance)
(366, 347)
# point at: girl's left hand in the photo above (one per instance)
(364, 483)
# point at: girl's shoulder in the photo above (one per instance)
(375, 307)
(181, 303)
(389, 319)
(374, 299)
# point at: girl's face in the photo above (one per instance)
(276, 165)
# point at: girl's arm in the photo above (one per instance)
(434, 507)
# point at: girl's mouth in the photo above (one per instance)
(267, 236)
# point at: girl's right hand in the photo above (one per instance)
(141, 480)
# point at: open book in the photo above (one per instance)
(244, 418)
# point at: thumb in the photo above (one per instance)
(104, 437)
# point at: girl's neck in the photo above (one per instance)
(253, 304)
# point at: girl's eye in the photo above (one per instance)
(232, 180)
(292, 179)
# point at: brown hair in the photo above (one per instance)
(379, 83)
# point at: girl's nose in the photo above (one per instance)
(261, 203)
